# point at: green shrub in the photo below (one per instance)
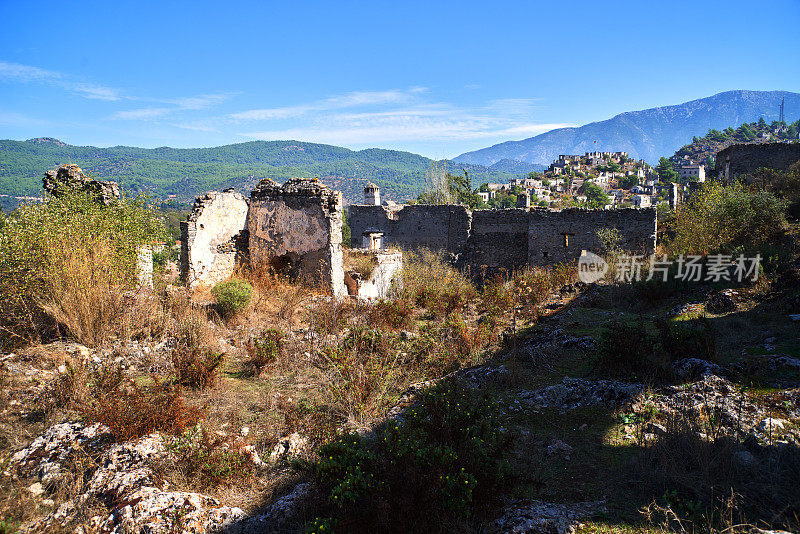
(209, 459)
(66, 260)
(634, 347)
(629, 347)
(443, 463)
(688, 339)
(263, 350)
(232, 296)
(727, 218)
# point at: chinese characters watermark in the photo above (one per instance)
(688, 268)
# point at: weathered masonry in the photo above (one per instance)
(213, 238)
(293, 229)
(737, 160)
(296, 228)
(509, 238)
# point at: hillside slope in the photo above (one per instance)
(647, 134)
(186, 172)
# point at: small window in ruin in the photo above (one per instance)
(566, 239)
(544, 254)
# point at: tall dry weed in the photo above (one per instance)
(428, 281)
(81, 294)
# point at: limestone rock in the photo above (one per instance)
(695, 368)
(537, 517)
(722, 301)
(70, 178)
(573, 393)
(152, 511)
(44, 457)
(288, 448)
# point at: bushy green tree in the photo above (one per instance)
(595, 197)
(727, 218)
(666, 172)
(55, 253)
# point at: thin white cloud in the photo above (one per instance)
(198, 126)
(141, 114)
(15, 72)
(343, 101)
(383, 128)
(199, 101)
(191, 103)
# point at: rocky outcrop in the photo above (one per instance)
(125, 482)
(574, 393)
(537, 517)
(70, 178)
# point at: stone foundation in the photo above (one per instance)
(737, 160)
(489, 240)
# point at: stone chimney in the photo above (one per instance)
(372, 195)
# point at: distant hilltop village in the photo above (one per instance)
(598, 180)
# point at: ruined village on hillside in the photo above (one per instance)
(556, 362)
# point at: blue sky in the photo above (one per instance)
(435, 78)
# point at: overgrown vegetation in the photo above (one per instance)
(727, 218)
(232, 296)
(440, 466)
(131, 410)
(636, 347)
(65, 263)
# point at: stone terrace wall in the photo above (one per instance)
(737, 160)
(213, 236)
(445, 228)
(560, 236)
(296, 228)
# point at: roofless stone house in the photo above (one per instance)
(296, 229)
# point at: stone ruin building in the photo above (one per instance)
(740, 159)
(69, 178)
(295, 228)
(500, 239)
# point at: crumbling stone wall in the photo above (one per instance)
(560, 236)
(505, 239)
(499, 239)
(69, 178)
(444, 227)
(213, 238)
(387, 271)
(740, 159)
(296, 228)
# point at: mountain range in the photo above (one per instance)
(647, 134)
(185, 173)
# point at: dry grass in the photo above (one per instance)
(82, 295)
(363, 263)
(429, 282)
(701, 485)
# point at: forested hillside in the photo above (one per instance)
(186, 172)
